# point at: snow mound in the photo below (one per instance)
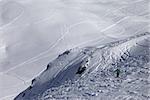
(118, 70)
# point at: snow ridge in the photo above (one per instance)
(87, 73)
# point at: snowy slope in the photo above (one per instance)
(61, 81)
(34, 32)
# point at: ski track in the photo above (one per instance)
(26, 25)
(24, 82)
(61, 38)
(63, 34)
(57, 41)
(13, 20)
(35, 58)
(46, 51)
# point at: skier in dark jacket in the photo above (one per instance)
(117, 72)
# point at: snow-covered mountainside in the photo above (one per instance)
(115, 71)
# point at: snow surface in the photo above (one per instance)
(35, 32)
(60, 80)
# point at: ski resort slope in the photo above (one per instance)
(61, 79)
(34, 32)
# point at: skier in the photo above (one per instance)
(117, 72)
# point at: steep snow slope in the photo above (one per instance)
(99, 80)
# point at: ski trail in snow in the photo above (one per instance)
(125, 6)
(114, 24)
(63, 35)
(57, 41)
(28, 24)
(111, 26)
(35, 58)
(17, 76)
(103, 30)
(8, 24)
(24, 82)
(61, 38)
